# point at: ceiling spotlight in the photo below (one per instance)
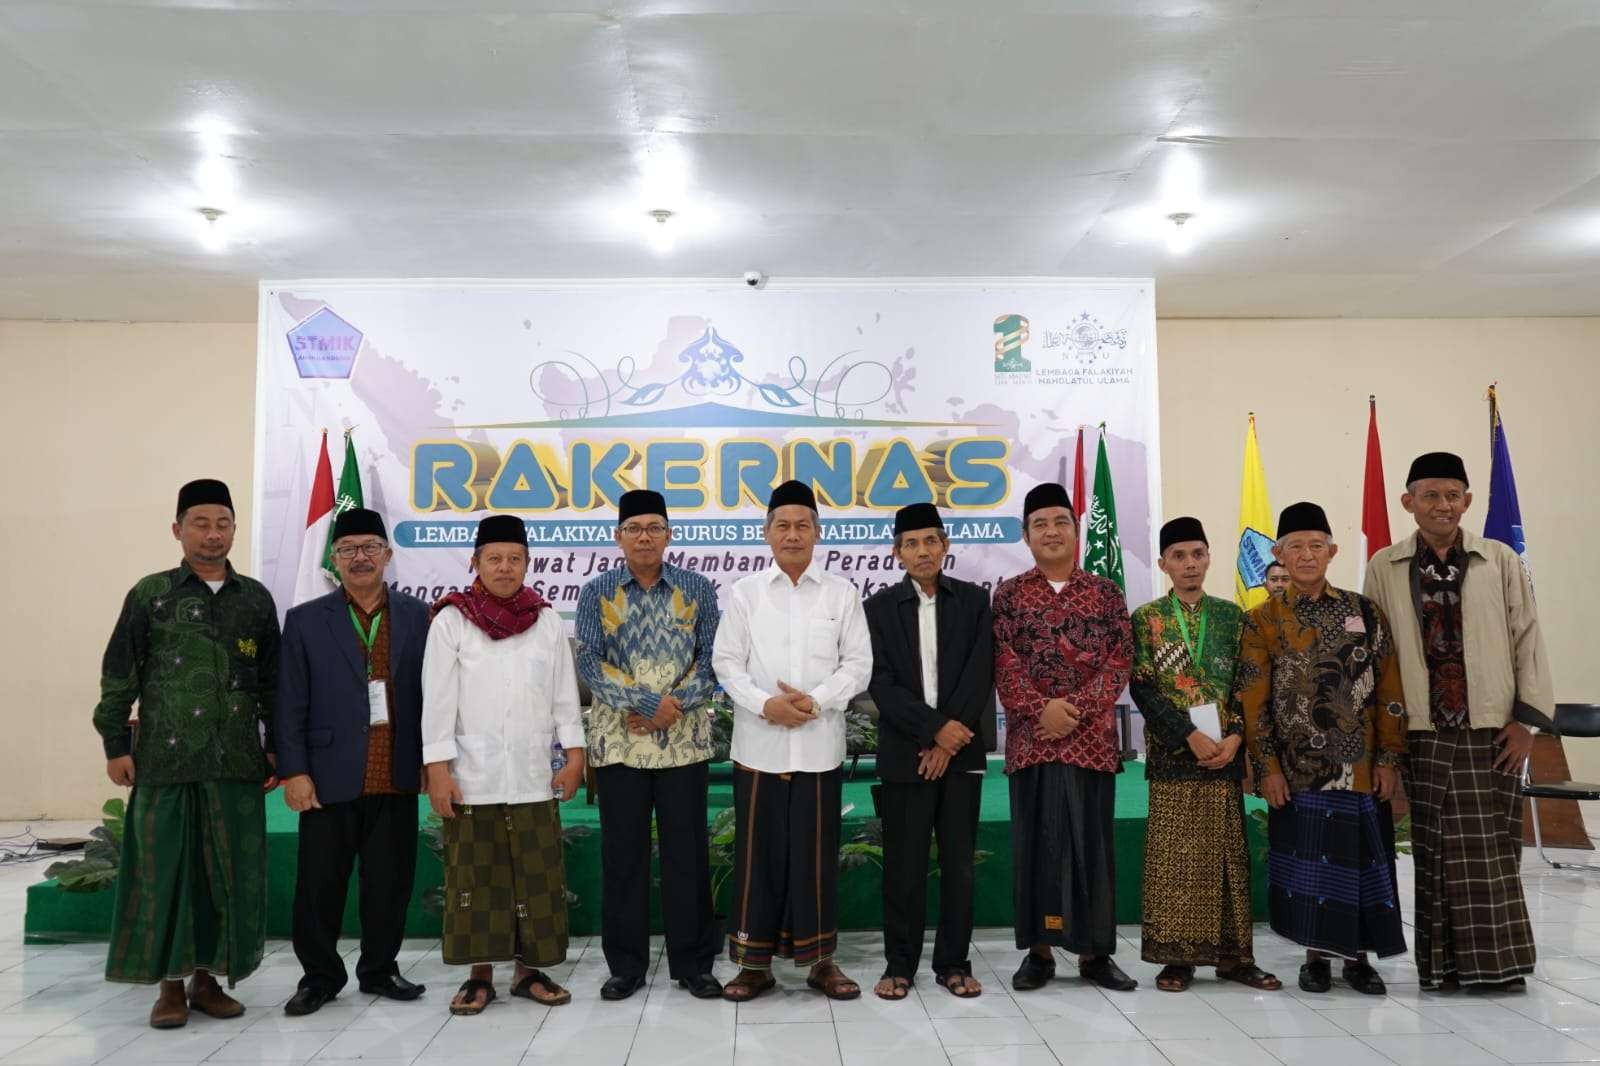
(1179, 240)
(213, 232)
(661, 237)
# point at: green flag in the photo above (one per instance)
(348, 496)
(1102, 551)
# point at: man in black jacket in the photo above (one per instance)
(933, 682)
(350, 741)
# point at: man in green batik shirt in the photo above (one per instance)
(1196, 861)
(196, 647)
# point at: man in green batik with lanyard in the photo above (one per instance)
(1196, 864)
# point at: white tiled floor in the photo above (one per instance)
(55, 1009)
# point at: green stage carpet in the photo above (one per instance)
(55, 916)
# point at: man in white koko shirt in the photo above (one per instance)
(791, 651)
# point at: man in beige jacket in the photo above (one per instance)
(1473, 661)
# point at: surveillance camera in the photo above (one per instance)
(755, 279)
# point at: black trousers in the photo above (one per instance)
(913, 815)
(678, 797)
(381, 831)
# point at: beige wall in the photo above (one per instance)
(101, 422)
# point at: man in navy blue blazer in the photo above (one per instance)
(349, 735)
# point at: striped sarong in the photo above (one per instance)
(1331, 874)
(1466, 818)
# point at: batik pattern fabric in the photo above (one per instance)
(1196, 875)
(1466, 839)
(202, 667)
(191, 888)
(1076, 645)
(637, 644)
(1318, 687)
(1167, 681)
(505, 885)
(1443, 647)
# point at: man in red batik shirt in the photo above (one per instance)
(1063, 651)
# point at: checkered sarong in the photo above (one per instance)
(505, 885)
(1466, 833)
(1331, 874)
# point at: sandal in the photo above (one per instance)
(556, 995)
(470, 989)
(961, 985)
(1175, 978)
(748, 985)
(1251, 975)
(892, 988)
(827, 978)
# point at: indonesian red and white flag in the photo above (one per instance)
(1374, 501)
(311, 580)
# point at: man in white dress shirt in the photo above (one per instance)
(503, 743)
(792, 650)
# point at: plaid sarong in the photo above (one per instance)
(1466, 818)
(1331, 872)
(505, 885)
(192, 884)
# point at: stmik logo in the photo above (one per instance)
(324, 346)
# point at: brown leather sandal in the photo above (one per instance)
(748, 985)
(892, 988)
(1251, 975)
(553, 995)
(960, 985)
(1175, 978)
(827, 978)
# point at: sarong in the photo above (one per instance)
(1466, 838)
(1331, 871)
(1063, 858)
(192, 883)
(1196, 875)
(505, 885)
(786, 868)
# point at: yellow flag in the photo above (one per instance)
(1256, 528)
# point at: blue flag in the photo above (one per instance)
(1504, 519)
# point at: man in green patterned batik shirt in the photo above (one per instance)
(1196, 862)
(196, 647)
(645, 631)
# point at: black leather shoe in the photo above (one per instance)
(1107, 974)
(1034, 972)
(1364, 979)
(621, 987)
(306, 1001)
(1316, 976)
(393, 987)
(702, 986)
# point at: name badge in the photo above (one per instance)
(377, 703)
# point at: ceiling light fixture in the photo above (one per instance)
(1180, 240)
(661, 237)
(213, 232)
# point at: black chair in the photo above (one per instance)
(1571, 720)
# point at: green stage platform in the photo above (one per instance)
(54, 916)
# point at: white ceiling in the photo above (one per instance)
(1341, 157)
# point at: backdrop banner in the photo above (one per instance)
(550, 399)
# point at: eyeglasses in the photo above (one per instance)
(654, 529)
(371, 551)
